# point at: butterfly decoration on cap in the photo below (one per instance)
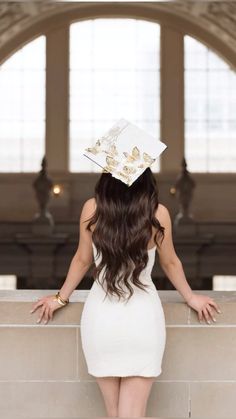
(125, 151)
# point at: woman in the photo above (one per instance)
(123, 324)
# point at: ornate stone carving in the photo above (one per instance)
(16, 16)
(43, 222)
(218, 17)
(184, 187)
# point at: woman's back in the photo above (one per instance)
(145, 273)
(124, 337)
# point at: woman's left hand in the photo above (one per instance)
(204, 305)
(47, 306)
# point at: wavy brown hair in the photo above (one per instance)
(124, 217)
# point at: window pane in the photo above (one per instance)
(210, 103)
(22, 109)
(8, 282)
(224, 283)
(114, 73)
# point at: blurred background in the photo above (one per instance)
(68, 71)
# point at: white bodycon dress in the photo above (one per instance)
(124, 338)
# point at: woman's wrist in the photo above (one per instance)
(188, 298)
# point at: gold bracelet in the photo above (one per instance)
(57, 299)
(60, 300)
(64, 301)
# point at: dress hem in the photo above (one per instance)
(126, 375)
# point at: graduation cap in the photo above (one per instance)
(125, 151)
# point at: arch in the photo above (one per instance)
(58, 19)
(152, 12)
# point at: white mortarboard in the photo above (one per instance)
(125, 151)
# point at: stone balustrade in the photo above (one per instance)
(43, 373)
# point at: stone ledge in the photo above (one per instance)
(15, 306)
(43, 368)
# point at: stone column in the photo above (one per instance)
(172, 98)
(57, 86)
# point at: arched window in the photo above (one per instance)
(210, 103)
(114, 73)
(22, 108)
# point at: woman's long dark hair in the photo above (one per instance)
(124, 218)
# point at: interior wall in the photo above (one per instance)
(214, 197)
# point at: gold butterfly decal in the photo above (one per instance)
(148, 160)
(95, 149)
(129, 170)
(111, 161)
(135, 155)
(123, 175)
(112, 150)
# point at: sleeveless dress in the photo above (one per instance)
(120, 338)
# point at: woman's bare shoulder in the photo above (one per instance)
(90, 204)
(162, 213)
(88, 208)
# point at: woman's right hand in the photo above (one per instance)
(48, 305)
(204, 306)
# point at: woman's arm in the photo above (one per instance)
(79, 265)
(83, 257)
(169, 261)
(172, 266)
